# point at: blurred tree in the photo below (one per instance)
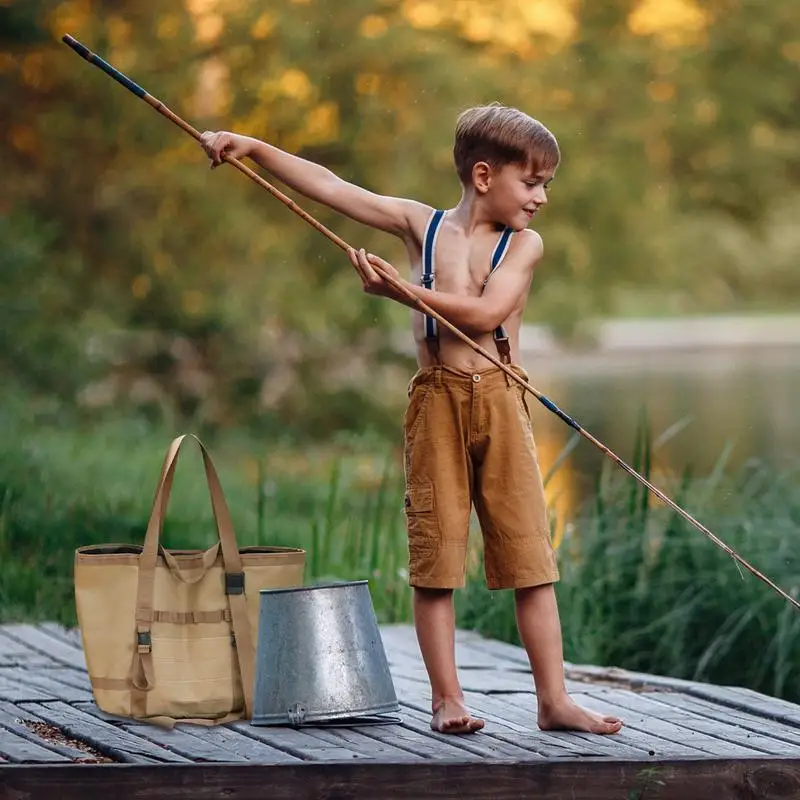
(199, 295)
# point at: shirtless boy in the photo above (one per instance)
(467, 430)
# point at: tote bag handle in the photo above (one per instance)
(142, 667)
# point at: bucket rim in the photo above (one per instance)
(331, 585)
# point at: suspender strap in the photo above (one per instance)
(428, 272)
(499, 253)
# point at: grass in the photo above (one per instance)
(640, 587)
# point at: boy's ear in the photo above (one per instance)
(481, 177)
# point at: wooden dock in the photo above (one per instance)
(682, 740)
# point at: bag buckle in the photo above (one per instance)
(144, 642)
(234, 583)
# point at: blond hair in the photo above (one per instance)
(501, 135)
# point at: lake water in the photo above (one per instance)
(748, 399)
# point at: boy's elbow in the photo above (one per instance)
(490, 318)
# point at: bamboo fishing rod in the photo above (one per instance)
(421, 306)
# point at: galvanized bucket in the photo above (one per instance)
(320, 657)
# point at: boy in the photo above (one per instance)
(467, 430)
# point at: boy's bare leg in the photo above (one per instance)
(434, 619)
(540, 632)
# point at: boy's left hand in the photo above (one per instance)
(373, 282)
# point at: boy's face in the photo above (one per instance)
(516, 193)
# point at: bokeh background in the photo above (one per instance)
(144, 295)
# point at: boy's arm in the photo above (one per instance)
(389, 214)
(472, 315)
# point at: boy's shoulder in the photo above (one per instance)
(528, 246)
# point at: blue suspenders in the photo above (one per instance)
(429, 275)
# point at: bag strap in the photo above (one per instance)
(142, 666)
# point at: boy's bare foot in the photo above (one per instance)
(566, 715)
(451, 716)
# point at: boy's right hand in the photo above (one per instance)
(224, 143)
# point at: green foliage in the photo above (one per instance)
(205, 300)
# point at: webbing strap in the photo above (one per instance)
(428, 274)
(499, 253)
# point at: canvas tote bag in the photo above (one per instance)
(169, 635)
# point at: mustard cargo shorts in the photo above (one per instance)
(468, 439)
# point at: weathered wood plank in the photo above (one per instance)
(518, 725)
(605, 701)
(476, 680)
(197, 742)
(247, 747)
(16, 692)
(521, 708)
(377, 748)
(14, 653)
(401, 641)
(556, 780)
(46, 682)
(300, 743)
(70, 636)
(68, 676)
(748, 700)
(107, 739)
(21, 750)
(41, 642)
(648, 745)
(733, 716)
(480, 745)
(648, 704)
(27, 726)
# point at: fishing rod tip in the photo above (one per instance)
(80, 49)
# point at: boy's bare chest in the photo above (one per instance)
(462, 267)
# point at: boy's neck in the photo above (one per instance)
(471, 214)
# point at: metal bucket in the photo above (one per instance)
(320, 657)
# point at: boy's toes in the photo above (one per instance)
(607, 725)
(456, 723)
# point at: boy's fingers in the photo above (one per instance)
(353, 256)
(378, 261)
(355, 261)
(366, 267)
(384, 265)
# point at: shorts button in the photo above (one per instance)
(476, 378)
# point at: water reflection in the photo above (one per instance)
(743, 399)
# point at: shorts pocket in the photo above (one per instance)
(522, 405)
(422, 523)
(418, 402)
(419, 499)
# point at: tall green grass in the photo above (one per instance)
(64, 488)
(640, 588)
(643, 589)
